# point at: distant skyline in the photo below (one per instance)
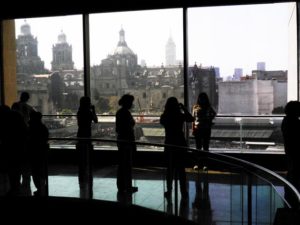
(227, 37)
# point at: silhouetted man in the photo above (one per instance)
(24, 109)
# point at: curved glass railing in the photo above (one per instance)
(222, 189)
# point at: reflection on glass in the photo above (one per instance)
(50, 62)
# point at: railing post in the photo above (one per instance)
(46, 171)
(90, 149)
(249, 199)
(85, 175)
(176, 191)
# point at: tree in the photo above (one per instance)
(56, 90)
(113, 104)
(102, 105)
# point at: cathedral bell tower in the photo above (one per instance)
(62, 54)
(28, 61)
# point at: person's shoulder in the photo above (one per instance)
(15, 105)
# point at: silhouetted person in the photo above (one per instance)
(23, 107)
(4, 111)
(204, 115)
(38, 147)
(290, 128)
(125, 132)
(25, 110)
(173, 118)
(13, 142)
(85, 116)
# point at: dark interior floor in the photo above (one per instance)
(215, 197)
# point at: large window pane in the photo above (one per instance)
(139, 53)
(50, 62)
(240, 56)
(243, 50)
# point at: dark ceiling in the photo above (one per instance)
(30, 8)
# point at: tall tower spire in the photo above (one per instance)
(62, 54)
(122, 41)
(170, 52)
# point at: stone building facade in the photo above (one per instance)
(119, 73)
(62, 54)
(202, 80)
(256, 95)
(28, 60)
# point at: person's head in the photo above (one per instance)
(85, 102)
(126, 101)
(203, 99)
(292, 108)
(24, 97)
(172, 105)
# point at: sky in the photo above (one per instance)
(227, 37)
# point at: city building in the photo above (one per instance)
(230, 189)
(259, 94)
(62, 54)
(203, 80)
(261, 66)
(170, 52)
(28, 60)
(238, 73)
(119, 73)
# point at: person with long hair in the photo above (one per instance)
(126, 146)
(204, 115)
(173, 119)
(290, 128)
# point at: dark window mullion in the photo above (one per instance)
(86, 55)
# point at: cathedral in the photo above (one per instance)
(119, 73)
(28, 61)
(50, 91)
(62, 54)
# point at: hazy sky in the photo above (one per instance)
(225, 37)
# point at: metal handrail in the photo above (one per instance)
(134, 115)
(247, 166)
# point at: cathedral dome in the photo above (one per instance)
(62, 38)
(25, 28)
(122, 48)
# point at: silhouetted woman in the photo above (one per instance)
(290, 128)
(204, 115)
(85, 116)
(38, 146)
(173, 118)
(125, 132)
